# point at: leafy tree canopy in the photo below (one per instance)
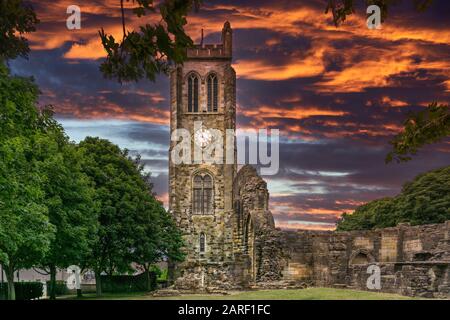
(71, 209)
(47, 213)
(16, 19)
(420, 128)
(151, 50)
(133, 225)
(341, 9)
(425, 200)
(25, 144)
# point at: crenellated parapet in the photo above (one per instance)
(221, 50)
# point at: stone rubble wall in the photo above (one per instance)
(414, 260)
(255, 235)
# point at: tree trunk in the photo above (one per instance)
(52, 282)
(98, 283)
(171, 272)
(10, 278)
(149, 284)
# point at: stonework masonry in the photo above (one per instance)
(414, 260)
(230, 237)
(210, 263)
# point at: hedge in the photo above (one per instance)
(60, 288)
(3, 291)
(127, 283)
(24, 290)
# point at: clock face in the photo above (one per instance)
(202, 137)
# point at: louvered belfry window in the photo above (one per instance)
(212, 84)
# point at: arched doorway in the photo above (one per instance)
(361, 257)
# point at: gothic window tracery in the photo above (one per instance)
(202, 194)
(212, 95)
(202, 245)
(193, 88)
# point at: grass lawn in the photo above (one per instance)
(300, 294)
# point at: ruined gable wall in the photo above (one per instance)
(255, 236)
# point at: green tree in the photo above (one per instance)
(71, 209)
(133, 225)
(425, 200)
(115, 185)
(25, 231)
(157, 237)
(118, 193)
(55, 207)
(341, 9)
(420, 128)
(368, 216)
(44, 195)
(16, 19)
(154, 48)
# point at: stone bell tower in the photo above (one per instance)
(203, 98)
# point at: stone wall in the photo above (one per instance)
(255, 233)
(414, 260)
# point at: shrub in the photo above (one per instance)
(24, 290)
(127, 283)
(3, 291)
(60, 288)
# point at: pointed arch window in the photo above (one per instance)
(203, 194)
(193, 84)
(202, 244)
(213, 85)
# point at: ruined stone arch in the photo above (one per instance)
(361, 256)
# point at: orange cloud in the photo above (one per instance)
(92, 50)
(164, 198)
(305, 20)
(299, 225)
(108, 110)
(297, 68)
(296, 113)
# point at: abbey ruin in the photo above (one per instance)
(229, 233)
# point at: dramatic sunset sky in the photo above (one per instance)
(338, 95)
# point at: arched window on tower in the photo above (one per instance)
(202, 245)
(213, 86)
(193, 93)
(202, 194)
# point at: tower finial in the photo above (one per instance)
(201, 41)
(227, 38)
